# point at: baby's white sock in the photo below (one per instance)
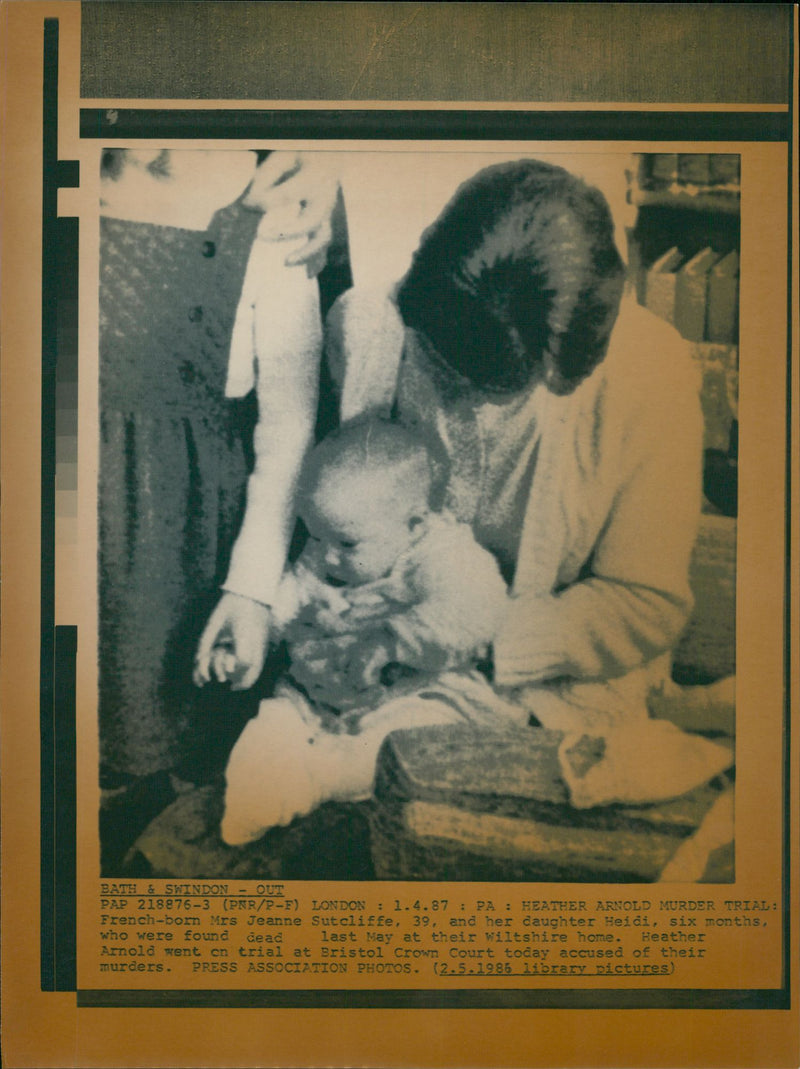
(284, 765)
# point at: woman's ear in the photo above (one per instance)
(416, 521)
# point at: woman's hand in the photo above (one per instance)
(297, 193)
(233, 646)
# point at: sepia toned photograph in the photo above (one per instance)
(399, 547)
(417, 514)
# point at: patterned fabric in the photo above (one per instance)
(173, 466)
(426, 618)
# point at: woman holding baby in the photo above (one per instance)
(571, 420)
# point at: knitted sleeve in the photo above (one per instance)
(459, 600)
(632, 599)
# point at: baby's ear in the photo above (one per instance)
(416, 520)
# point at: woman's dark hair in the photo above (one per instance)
(518, 274)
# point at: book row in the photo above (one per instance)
(698, 293)
(691, 168)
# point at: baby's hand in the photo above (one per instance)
(334, 623)
(333, 650)
(319, 665)
(372, 602)
(324, 619)
(366, 662)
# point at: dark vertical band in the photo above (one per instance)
(47, 573)
(57, 644)
(790, 563)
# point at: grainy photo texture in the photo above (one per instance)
(417, 515)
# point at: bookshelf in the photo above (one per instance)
(691, 173)
(684, 249)
(684, 263)
(696, 198)
(696, 181)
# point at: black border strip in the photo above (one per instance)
(63, 879)
(58, 644)
(47, 712)
(439, 999)
(413, 124)
(789, 520)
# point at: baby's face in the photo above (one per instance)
(358, 526)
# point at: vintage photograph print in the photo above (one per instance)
(399, 542)
(417, 546)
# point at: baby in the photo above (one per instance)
(389, 592)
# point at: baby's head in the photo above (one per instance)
(365, 494)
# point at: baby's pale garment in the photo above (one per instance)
(318, 739)
(438, 609)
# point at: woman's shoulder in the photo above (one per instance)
(642, 336)
(648, 354)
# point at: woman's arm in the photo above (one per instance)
(276, 345)
(287, 337)
(454, 599)
(287, 344)
(635, 599)
(459, 601)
